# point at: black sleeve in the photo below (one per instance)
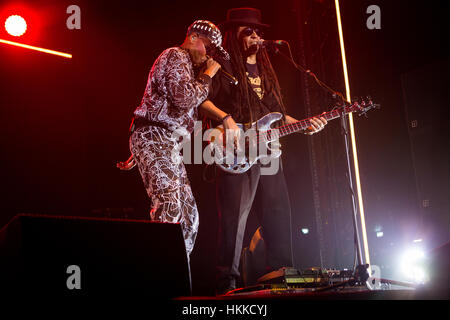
(214, 88)
(219, 81)
(271, 103)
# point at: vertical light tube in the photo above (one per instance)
(352, 134)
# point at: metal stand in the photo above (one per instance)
(360, 272)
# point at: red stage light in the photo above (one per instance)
(37, 21)
(15, 25)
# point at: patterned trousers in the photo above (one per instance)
(165, 180)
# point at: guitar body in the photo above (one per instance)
(232, 162)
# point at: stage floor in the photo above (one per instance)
(350, 293)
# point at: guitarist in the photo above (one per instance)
(256, 94)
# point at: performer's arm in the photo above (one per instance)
(184, 90)
(290, 120)
(209, 109)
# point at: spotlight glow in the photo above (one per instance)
(15, 25)
(412, 266)
(305, 230)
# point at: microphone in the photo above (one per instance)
(230, 77)
(268, 43)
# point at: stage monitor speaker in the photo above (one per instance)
(75, 255)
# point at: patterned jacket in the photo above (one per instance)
(173, 93)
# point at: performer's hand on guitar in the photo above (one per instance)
(232, 129)
(126, 165)
(317, 124)
(218, 134)
(229, 130)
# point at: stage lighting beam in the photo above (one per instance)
(57, 53)
(352, 134)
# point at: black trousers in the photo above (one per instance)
(236, 194)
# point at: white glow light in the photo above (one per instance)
(15, 25)
(411, 265)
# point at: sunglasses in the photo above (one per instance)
(249, 31)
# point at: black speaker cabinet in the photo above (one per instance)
(74, 255)
(427, 95)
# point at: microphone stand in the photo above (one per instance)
(360, 274)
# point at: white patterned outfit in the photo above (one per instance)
(169, 106)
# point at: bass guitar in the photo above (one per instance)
(261, 138)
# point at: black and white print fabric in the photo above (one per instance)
(173, 93)
(170, 105)
(165, 180)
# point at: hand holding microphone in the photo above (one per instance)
(212, 67)
(211, 62)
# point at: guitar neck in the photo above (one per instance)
(305, 123)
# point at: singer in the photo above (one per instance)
(257, 94)
(169, 105)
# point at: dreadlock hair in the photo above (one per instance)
(269, 82)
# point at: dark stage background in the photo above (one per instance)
(64, 122)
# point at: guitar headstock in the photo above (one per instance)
(367, 105)
(361, 106)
